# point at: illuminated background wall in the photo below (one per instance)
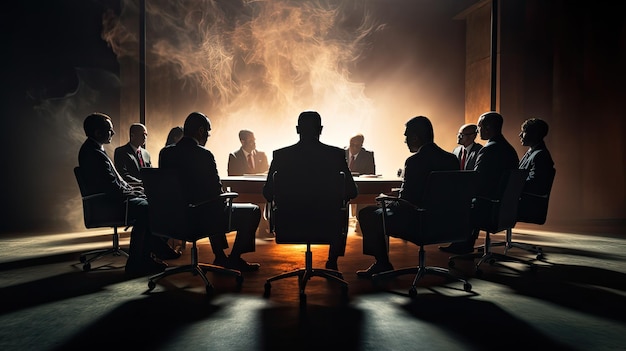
(366, 65)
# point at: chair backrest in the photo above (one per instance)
(99, 210)
(170, 214)
(446, 207)
(504, 210)
(533, 208)
(313, 212)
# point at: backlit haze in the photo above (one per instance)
(257, 64)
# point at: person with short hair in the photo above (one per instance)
(201, 182)
(131, 157)
(102, 177)
(468, 148)
(401, 220)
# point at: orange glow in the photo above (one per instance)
(258, 64)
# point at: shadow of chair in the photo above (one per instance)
(493, 216)
(100, 212)
(532, 208)
(309, 217)
(172, 217)
(443, 217)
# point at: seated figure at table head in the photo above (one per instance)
(303, 162)
(175, 134)
(247, 159)
(131, 157)
(360, 160)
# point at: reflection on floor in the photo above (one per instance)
(576, 300)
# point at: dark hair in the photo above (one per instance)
(174, 135)
(493, 119)
(194, 122)
(309, 119)
(536, 126)
(244, 133)
(95, 122)
(421, 127)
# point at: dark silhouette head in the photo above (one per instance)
(99, 127)
(309, 125)
(490, 125)
(197, 126)
(419, 131)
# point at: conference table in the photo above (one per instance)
(250, 187)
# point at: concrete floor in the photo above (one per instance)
(576, 300)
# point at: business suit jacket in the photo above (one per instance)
(238, 164)
(127, 163)
(200, 182)
(538, 161)
(100, 173)
(418, 166)
(302, 164)
(470, 160)
(494, 159)
(363, 163)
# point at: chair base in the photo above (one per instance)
(97, 254)
(305, 274)
(420, 271)
(199, 269)
(486, 255)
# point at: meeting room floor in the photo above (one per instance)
(575, 299)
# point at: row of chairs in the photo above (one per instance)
(445, 216)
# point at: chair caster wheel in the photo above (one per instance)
(413, 292)
(467, 287)
(451, 263)
(82, 259)
(479, 272)
(540, 256)
(268, 288)
(151, 285)
(87, 267)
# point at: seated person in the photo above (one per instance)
(132, 157)
(309, 157)
(175, 134)
(360, 161)
(468, 148)
(401, 220)
(102, 177)
(248, 160)
(201, 182)
(538, 161)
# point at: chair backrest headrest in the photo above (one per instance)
(446, 206)
(99, 211)
(507, 211)
(308, 210)
(168, 208)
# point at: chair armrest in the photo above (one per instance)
(384, 199)
(533, 195)
(93, 196)
(227, 195)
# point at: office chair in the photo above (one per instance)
(444, 216)
(495, 215)
(99, 212)
(300, 216)
(532, 208)
(171, 217)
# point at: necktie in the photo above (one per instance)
(351, 162)
(250, 162)
(463, 155)
(140, 158)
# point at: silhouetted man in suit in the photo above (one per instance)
(132, 157)
(402, 218)
(102, 177)
(359, 159)
(247, 159)
(494, 160)
(201, 182)
(303, 162)
(538, 161)
(467, 151)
